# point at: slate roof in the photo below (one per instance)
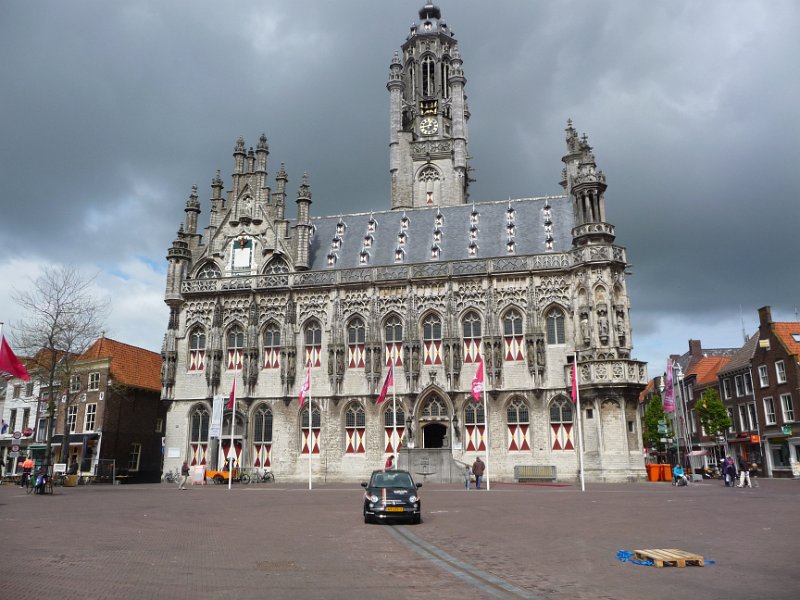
(130, 365)
(742, 359)
(535, 222)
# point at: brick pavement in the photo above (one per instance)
(279, 541)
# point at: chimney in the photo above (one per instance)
(765, 316)
(696, 348)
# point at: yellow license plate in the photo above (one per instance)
(394, 509)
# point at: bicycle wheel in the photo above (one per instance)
(269, 476)
(245, 478)
(29, 485)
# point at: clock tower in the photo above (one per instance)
(428, 158)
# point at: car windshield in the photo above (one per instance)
(391, 480)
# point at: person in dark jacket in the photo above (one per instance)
(477, 469)
(729, 471)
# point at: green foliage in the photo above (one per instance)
(712, 413)
(650, 434)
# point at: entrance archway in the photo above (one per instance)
(433, 435)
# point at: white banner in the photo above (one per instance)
(215, 430)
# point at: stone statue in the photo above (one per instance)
(585, 328)
(415, 360)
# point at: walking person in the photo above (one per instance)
(745, 474)
(729, 471)
(467, 475)
(478, 467)
(184, 474)
(27, 471)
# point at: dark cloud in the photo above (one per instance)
(112, 111)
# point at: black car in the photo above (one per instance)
(392, 495)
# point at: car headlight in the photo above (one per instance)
(412, 498)
(373, 499)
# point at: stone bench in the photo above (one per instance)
(531, 473)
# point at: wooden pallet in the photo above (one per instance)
(672, 557)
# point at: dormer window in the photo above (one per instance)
(510, 214)
(473, 233)
(435, 251)
(336, 243)
(363, 258)
(548, 243)
(402, 238)
(340, 228)
(399, 255)
(510, 230)
(473, 249)
(368, 239)
(439, 221)
(331, 259)
(510, 245)
(371, 224)
(473, 218)
(437, 235)
(404, 223)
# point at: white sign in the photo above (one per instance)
(215, 430)
(173, 452)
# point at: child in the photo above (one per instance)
(467, 476)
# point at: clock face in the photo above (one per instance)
(428, 126)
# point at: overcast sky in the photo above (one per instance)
(110, 111)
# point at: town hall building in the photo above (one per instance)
(427, 285)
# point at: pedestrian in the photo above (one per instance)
(41, 479)
(729, 471)
(467, 475)
(745, 474)
(679, 476)
(184, 474)
(478, 468)
(389, 464)
(73, 468)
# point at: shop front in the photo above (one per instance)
(779, 459)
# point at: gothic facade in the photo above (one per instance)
(424, 288)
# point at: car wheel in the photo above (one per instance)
(416, 519)
(218, 479)
(367, 518)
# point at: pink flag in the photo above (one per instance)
(306, 385)
(10, 366)
(477, 381)
(232, 398)
(389, 381)
(575, 381)
(669, 390)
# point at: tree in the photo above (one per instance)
(712, 413)
(651, 435)
(62, 318)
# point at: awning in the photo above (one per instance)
(698, 453)
(75, 438)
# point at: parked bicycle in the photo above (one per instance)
(259, 476)
(172, 476)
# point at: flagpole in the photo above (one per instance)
(486, 421)
(578, 410)
(394, 413)
(233, 419)
(310, 438)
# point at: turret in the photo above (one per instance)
(281, 224)
(303, 226)
(178, 258)
(192, 211)
(262, 151)
(586, 185)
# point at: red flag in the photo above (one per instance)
(389, 381)
(574, 381)
(306, 385)
(232, 399)
(10, 366)
(477, 381)
(669, 390)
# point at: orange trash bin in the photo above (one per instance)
(652, 472)
(666, 472)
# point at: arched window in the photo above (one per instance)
(355, 428)
(429, 182)
(561, 415)
(310, 437)
(277, 266)
(432, 340)
(394, 341)
(512, 335)
(518, 426)
(445, 69)
(209, 271)
(555, 327)
(262, 437)
(198, 435)
(356, 339)
(197, 349)
(235, 347)
(428, 76)
(313, 344)
(272, 346)
(434, 407)
(471, 327)
(475, 426)
(394, 426)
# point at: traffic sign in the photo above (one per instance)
(17, 435)
(27, 432)
(662, 421)
(15, 447)
(662, 429)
